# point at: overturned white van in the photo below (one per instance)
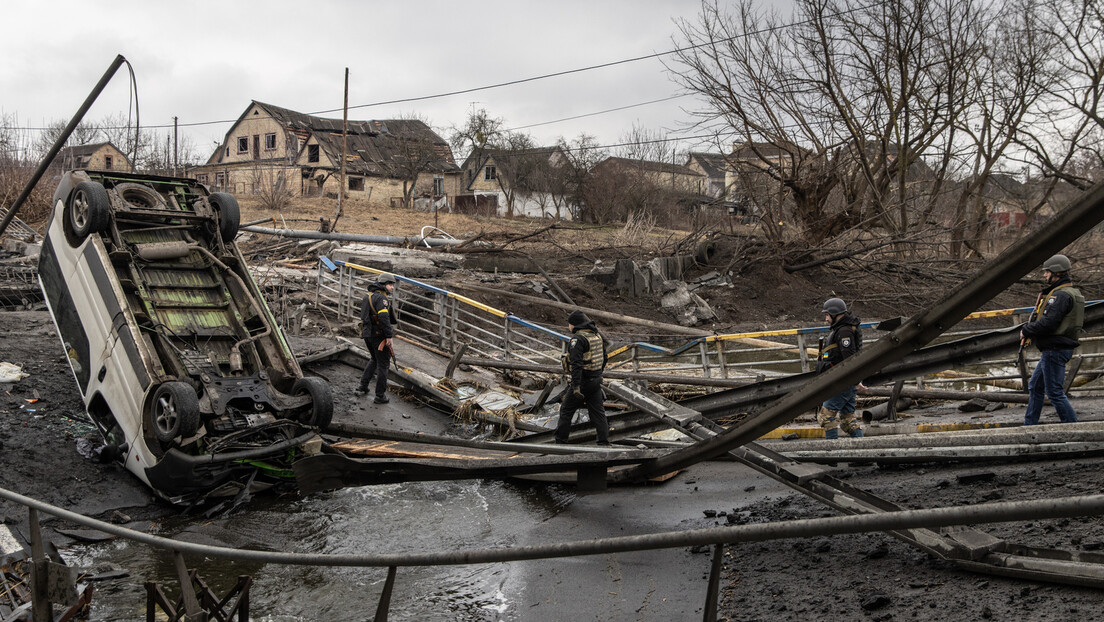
(182, 366)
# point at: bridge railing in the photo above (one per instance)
(445, 320)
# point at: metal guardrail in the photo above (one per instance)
(19, 228)
(443, 319)
(1007, 511)
(439, 318)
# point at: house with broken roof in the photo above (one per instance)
(97, 157)
(389, 162)
(537, 182)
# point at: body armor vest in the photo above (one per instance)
(594, 359)
(1073, 322)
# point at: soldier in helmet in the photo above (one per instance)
(377, 320)
(584, 360)
(1054, 328)
(844, 339)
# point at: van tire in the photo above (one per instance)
(88, 210)
(174, 411)
(321, 412)
(229, 215)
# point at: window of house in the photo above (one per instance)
(243, 144)
(312, 153)
(202, 178)
(438, 186)
(356, 183)
(489, 173)
(220, 180)
(270, 142)
(107, 162)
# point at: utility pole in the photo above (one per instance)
(176, 148)
(344, 147)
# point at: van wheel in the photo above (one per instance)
(229, 215)
(89, 210)
(321, 412)
(175, 411)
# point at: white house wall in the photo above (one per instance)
(534, 205)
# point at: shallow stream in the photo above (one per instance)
(400, 518)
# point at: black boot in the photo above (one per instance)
(381, 399)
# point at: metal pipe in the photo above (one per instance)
(881, 411)
(972, 453)
(42, 610)
(593, 313)
(609, 373)
(1007, 511)
(64, 136)
(965, 438)
(354, 237)
(937, 394)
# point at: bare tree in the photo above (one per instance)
(482, 135)
(479, 132)
(412, 156)
(84, 133)
(582, 154)
(641, 143)
(1065, 134)
(864, 113)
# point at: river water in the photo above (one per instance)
(400, 518)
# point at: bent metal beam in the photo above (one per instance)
(1016, 261)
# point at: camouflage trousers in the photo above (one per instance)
(832, 419)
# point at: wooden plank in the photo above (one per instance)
(331, 471)
(400, 449)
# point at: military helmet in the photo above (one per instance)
(1057, 263)
(385, 278)
(835, 306)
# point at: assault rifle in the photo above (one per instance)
(1021, 360)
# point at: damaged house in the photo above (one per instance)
(392, 162)
(538, 183)
(714, 167)
(96, 157)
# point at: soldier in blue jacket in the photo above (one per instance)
(1054, 328)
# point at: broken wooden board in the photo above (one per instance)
(410, 462)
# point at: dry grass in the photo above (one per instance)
(565, 238)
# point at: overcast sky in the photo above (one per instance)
(204, 61)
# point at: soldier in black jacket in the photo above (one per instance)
(585, 360)
(377, 320)
(1054, 328)
(844, 339)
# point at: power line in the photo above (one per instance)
(542, 76)
(592, 114)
